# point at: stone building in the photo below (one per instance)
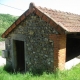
(42, 39)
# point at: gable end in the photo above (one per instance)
(44, 16)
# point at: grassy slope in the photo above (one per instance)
(5, 21)
(73, 74)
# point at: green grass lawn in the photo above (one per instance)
(73, 74)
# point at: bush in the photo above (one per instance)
(5, 21)
(8, 68)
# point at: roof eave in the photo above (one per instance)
(17, 22)
(32, 8)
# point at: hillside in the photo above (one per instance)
(5, 21)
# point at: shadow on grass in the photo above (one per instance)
(8, 69)
(34, 72)
(37, 72)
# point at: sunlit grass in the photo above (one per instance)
(73, 74)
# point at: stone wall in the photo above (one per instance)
(39, 47)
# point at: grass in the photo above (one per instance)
(73, 74)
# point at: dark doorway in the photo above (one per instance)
(20, 60)
(72, 48)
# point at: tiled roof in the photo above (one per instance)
(63, 22)
(70, 22)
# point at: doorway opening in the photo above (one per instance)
(20, 55)
(72, 48)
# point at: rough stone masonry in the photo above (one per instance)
(39, 47)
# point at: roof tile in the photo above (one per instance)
(66, 21)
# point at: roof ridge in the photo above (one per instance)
(59, 11)
(32, 5)
(60, 20)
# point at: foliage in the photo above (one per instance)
(5, 21)
(73, 74)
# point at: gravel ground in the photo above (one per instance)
(2, 45)
(2, 60)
